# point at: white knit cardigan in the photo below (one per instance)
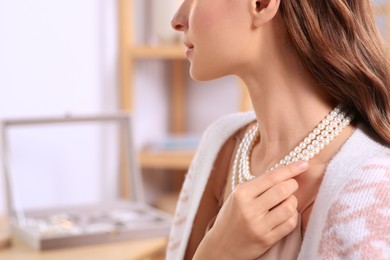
(350, 217)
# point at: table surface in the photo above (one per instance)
(129, 250)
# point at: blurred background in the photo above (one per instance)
(72, 57)
(101, 56)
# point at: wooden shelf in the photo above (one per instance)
(167, 202)
(158, 52)
(170, 159)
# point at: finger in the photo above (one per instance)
(284, 229)
(276, 195)
(280, 213)
(262, 183)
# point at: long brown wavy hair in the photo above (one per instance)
(338, 42)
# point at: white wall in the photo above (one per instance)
(51, 57)
(57, 57)
(60, 56)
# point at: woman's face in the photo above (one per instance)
(218, 34)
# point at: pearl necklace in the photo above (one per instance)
(330, 127)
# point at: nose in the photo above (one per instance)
(180, 19)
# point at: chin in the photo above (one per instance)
(204, 74)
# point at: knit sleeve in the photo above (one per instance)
(358, 221)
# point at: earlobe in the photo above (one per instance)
(263, 11)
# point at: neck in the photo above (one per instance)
(287, 109)
(288, 102)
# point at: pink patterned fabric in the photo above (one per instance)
(368, 219)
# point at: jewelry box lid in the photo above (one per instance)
(68, 161)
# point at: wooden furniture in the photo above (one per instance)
(129, 54)
(151, 249)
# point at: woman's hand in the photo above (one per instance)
(256, 215)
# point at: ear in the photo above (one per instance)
(263, 11)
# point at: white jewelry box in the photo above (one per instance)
(55, 199)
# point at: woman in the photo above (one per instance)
(307, 175)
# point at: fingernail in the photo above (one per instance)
(303, 165)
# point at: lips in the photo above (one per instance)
(190, 48)
(189, 45)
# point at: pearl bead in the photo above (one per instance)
(322, 135)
